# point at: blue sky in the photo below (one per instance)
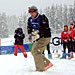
(18, 7)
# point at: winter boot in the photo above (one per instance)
(43, 54)
(15, 54)
(71, 55)
(25, 55)
(47, 67)
(68, 55)
(50, 56)
(63, 56)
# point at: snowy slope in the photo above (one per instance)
(12, 65)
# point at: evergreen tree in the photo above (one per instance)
(70, 15)
(65, 15)
(3, 26)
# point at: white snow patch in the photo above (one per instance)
(18, 65)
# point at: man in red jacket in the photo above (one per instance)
(64, 41)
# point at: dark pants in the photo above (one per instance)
(74, 46)
(48, 49)
(70, 46)
(64, 46)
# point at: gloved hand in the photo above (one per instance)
(33, 37)
(36, 32)
(30, 38)
(18, 34)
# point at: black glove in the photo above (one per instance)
(30, 38)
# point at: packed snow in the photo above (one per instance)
(18, 65)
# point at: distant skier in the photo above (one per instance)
(39, 23)
(64, 41)
(19, 36)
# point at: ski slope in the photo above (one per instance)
(18, 65)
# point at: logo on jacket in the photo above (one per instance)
(30, 20)
(65, 32)
(44, 22)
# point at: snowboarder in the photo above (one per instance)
(64, 41)
(40, 23)
(19, 36)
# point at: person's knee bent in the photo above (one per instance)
(35, 52)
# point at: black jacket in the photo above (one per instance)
(19, 38)
(44, 27)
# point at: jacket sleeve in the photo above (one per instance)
(15, 36)
(61, 36)
(29, 27)
(44, 26)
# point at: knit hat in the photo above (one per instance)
(18, 30)
(65, 26)
(33, 9)
(71, 24)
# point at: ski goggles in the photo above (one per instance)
(32, 10)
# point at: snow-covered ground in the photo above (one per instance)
(18, 65)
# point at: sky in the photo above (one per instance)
(18, 7)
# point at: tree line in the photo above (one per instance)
(58, 15)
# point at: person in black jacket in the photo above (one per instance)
(40, 24)
(19, 36)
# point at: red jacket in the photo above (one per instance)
(70, 32)
(73, 34)
(64, 36)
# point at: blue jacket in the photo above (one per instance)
(41, 24)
